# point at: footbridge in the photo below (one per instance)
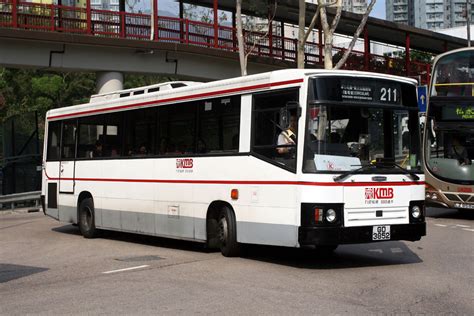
(65, 38)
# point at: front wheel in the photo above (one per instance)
(87, 218)
(227, 232)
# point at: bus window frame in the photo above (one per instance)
(297, 91)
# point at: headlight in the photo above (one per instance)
(434, 196)
(331, 215)
(415, 211)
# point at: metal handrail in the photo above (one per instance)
(95, 22)
(20, 197)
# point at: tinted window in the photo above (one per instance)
(100, 136)
(54, 138)
(140, 132)
(176, 129)
(219, 123)
(68, 140)
(270, 139)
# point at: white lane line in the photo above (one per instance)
(126, 269)
(396, 250)
(469, 230)
(463, 226)
(441, 225)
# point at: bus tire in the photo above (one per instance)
(227, 232)
(87, 218)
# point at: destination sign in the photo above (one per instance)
(370, 90)
(458, 113)
(363, 90)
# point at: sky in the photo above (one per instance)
(172, 6)
(379, 10)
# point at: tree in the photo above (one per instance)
(24, 90)
(328, 29)
(246, 49)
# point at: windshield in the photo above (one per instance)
(342, 138)
(449, 146)
(453, 75)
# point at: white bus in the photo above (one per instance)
(202, 162)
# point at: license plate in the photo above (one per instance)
(381, 232)
(462, 205)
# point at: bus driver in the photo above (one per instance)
(287, 137)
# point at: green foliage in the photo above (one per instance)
(23, 90)
(415, 55)
(134, 81)
(203, 14)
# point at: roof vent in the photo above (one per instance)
(141, 90)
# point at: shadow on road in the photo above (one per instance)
(9, 272)
(138, 239)
(346, 256)
(437, 212)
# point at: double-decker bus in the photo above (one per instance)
(449, 132)
(204, 162)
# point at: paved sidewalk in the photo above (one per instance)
(20, 210)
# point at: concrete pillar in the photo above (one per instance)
(109, 81)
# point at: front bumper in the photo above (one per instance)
(320, 236)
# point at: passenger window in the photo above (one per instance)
(68, 140)
(100, 136)
(54, 139)
(270, 139)
(140, 132)
(176, 129)
(219, 123)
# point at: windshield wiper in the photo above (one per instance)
(412, 175)
(382, 164)
(349, 173)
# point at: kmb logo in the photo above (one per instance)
(378, 193)
(184, 163)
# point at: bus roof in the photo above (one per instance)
(221, 88)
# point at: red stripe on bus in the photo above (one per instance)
(334, 184)
(200, 95)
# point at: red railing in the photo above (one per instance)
(59, 18)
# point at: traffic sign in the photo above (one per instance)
(422, 98)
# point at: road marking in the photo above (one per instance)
(126, 269)
(469, 230)
(441, 225)
(396, 250)
(463, 226)
(376, 250)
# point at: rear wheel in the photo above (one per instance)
(87, 218)
(227, 233)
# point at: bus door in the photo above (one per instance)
(67, 160)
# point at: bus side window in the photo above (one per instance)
(54, 138)
(268, 136)
(68, 140)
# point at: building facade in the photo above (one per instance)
(355, 6)
(400, 11)
(428, 14)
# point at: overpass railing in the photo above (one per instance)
(113, 24)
